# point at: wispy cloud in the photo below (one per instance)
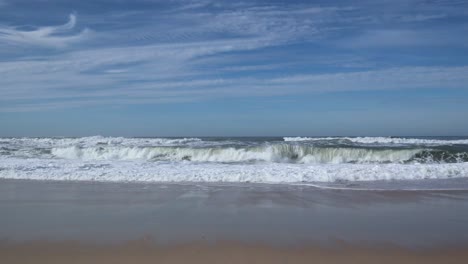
(165, 74)
(406, 38)
(182, 51)
(421, 17)
(50, 36)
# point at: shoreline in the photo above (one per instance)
(386, 186)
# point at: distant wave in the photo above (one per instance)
(381, 140)
(99, 140)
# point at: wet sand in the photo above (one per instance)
(86, 222)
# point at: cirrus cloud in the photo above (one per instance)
(48, 36)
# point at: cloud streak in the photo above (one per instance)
(202, 50)
(50, 36)
(165, 74)
(407, 38)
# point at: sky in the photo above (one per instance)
(233, 68)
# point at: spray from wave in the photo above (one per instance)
(262, 160)
(277, 153)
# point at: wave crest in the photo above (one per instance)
(278, 153)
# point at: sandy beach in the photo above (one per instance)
(86, 222)
(232, 132)
(222, 252)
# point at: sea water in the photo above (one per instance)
(331, 161)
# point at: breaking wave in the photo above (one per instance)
(279, 153)
(259, 160)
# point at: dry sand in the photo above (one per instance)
(224, 252)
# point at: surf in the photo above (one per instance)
(275, 153)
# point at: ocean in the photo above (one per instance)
(327, 162)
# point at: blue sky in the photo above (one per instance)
(233, 68)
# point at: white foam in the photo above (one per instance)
(383, 140)
(142, 171)
(266, 153)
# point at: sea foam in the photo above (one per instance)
(140, 171)
(381, 140)
(258, 160)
